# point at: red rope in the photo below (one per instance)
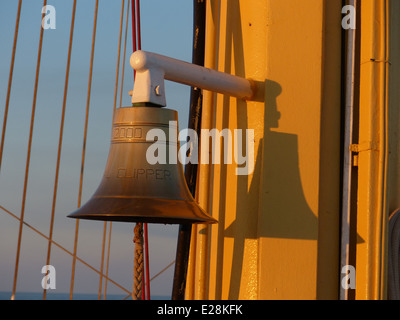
(133, 31)
(139, 40)
(137, 45)
(147, 271)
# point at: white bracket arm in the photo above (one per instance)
(152, 69)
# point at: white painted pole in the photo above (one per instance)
(152, 69)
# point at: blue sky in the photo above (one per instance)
(166, 29)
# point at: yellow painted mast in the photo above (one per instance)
(278, 235)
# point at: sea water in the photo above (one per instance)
(65, 296)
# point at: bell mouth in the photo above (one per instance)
(139, 209)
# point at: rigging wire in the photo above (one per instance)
(84, 145)
(108, 261)
(114, 107)
(10, 78)
(123, 59)
(102, 259)
(28, 157)
(62, 248)
(136, 44)
(56, 179)
(60, 140)
(119, 55)
(137, 276)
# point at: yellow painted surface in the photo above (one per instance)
(299, 208)
(278, 230)
(378, 193)
(372, 211)
(278, 234)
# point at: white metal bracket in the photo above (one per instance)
(152, 69)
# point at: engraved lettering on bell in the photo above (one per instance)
(157, 174)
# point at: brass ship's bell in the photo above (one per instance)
(134, 190)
